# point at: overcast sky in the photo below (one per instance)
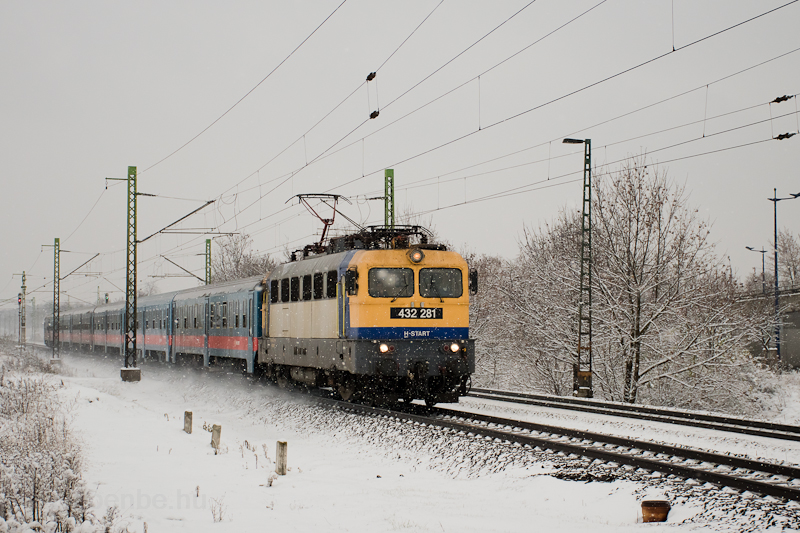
(89, 88)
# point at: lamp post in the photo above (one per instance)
(582, 369)
(762, 251)
(775, 201)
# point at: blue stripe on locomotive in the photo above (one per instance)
(409, 333)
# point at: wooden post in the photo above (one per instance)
(280, 459)
(187, 422)
(216, 432)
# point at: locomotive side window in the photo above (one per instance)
(440, 283)
(285, 290)
(307, 287)
(332, 279)
(391, 282)
(273, 291)
(319, 280)
(295, 289)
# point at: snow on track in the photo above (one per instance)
(750, 446)
(348, 472)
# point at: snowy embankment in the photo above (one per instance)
(347, 473)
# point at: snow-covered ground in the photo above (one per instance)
(351, 473)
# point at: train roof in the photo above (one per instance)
(239, 285)
(245, 284)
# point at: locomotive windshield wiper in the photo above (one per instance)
(400, 292)
(433, 286)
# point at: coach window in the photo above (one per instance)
(285, 290)
(319, 281)
(273, 291)
(307, 287)
(236, 315)
(440, 283)
(224, 315)
(332, 279)
(391, 282)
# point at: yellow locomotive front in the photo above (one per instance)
(407, 316)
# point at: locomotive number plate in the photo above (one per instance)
(415, 312)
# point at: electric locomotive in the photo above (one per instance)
(380, 314)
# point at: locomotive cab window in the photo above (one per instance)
(391, 282)
(273, 291)
(440, 283)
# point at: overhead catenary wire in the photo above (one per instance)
(187, 143)
(678, 49)
(574, 92)
(606, 145)
(618, 117)
(337, 106)
(741, 71)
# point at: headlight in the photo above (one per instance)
(384, 348)
(416, 256)
(455, 347)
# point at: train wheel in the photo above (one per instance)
(284, 382)
(430, 401)
(347, 390)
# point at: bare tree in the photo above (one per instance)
(234, 259)
(666, 307)
(788, 261)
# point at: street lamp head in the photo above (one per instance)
(751, 248)
(573, 141)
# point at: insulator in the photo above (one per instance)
(783, 136)
(371, 76)
(780, 99)
(374, 114)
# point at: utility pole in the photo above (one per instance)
(129, 371)
(775, 201)
(388, 201)
(56, 330)
(21, 301)
(582, 370)
(208, 261)
(762, 251)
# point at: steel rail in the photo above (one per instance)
(594, 446)
(759, 428)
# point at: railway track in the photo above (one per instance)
(721, 470)
(655, 414)
(738, 473)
